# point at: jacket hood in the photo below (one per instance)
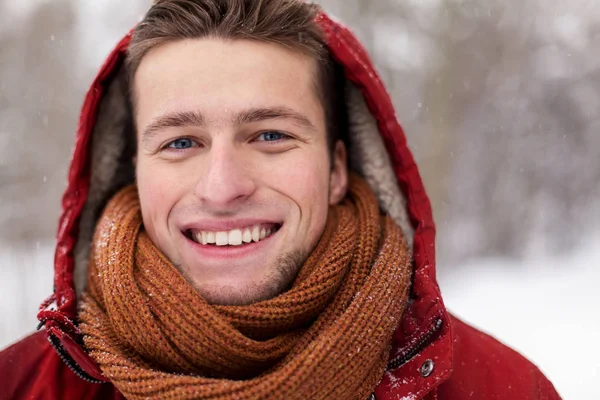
(102, 164)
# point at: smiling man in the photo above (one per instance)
(233, 173)
(244, 220)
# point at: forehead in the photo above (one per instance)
(221, 76)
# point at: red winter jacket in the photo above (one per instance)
(434, 355)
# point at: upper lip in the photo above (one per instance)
(226, 225)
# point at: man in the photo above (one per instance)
(244, 220)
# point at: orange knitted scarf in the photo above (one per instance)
(327, 337)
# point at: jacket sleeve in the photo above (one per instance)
(484, 368)
(31, 369)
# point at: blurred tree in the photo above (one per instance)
(525, 174)
(500, 103)
(38, 104)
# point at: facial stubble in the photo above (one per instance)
(278, 280)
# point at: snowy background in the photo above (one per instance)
(501, 105)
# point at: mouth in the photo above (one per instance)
(233, 238)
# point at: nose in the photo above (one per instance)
(225, 181)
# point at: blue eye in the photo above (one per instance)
(271, 136)
(181, 144)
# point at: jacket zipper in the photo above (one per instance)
(66, 358)
(416, 347)
(412, 350)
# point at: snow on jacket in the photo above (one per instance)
(434, 355)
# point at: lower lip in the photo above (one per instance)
(228, 252)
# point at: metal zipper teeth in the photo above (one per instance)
(66, 358)
(414, 349)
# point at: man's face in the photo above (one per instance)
(233, 168)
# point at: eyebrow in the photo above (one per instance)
(266, 113)
(172, 120)
(196, 118)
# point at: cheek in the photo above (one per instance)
(304, 176)
(307, 185)
(158, 193)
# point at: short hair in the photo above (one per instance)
(288, 23)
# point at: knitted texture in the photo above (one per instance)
(327, 337)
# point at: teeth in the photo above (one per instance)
(235, 237)
(222, 239)
(247, 236)
(256, 233)
(210, 237)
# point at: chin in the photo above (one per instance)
(235, 294)
(236, 291)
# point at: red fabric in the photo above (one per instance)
(486, 369)
(31, 369)
(466, 363)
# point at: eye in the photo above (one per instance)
(180, 144)
(272, 136)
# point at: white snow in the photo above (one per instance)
(26, 280)
(547, 309)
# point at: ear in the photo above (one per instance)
(338, 179)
